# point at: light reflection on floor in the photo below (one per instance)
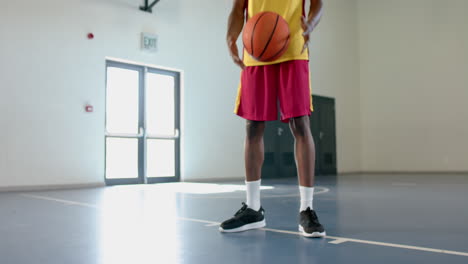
(136, 226)
(188, 187)
(151, 212)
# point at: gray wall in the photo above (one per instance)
(414, 85)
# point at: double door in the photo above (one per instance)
(142, 124)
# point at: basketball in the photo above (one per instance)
(266, 36)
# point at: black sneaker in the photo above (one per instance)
(309, 224)
(245, 219)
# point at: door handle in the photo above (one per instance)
(126, 135)
(176, 135)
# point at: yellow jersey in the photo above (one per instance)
(291, 11)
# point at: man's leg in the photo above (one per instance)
(254, 155)
(305, 161)
(254, 150)
(251, 215)
(304, 150)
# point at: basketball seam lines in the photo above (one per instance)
(281, 50)
(253, 34)
(271, 36)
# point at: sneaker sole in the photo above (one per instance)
(314, 234)
(246, 227)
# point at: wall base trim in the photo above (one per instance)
(51, 187)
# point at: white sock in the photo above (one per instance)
(253, 194)
(307, 198)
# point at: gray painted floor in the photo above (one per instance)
(368, 218)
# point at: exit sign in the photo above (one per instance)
(149, 42)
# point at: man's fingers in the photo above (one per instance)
(238, 61)
(241, 64)
(306, 44)
(308, 30)
(304, 24)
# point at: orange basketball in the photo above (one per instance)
(266, 36)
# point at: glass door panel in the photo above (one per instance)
(123, 124)
(160, 104)
(121, 158)
(161, 126)
(122, 100)
(160, 158)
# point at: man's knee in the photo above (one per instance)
(300, 126)
(255, 130)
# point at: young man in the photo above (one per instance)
(263, 85)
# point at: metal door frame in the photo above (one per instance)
(142, 136)
(176, 135)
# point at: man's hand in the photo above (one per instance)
(308, 27)
(235, 25)
(234, 51)
(311, 21)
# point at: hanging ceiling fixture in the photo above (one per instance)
(149, 7)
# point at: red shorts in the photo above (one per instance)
(264, 88)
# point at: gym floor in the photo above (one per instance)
(368, 219)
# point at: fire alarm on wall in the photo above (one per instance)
(89, 108)
(90, 35)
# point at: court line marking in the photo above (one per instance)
(321, 190)
(345, 239)
(47, 198)
(213, 224)
(336, 240)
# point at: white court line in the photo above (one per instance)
(213, 224)
(337, 240)
(40, 197)
(320, 191)
(345, 239)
